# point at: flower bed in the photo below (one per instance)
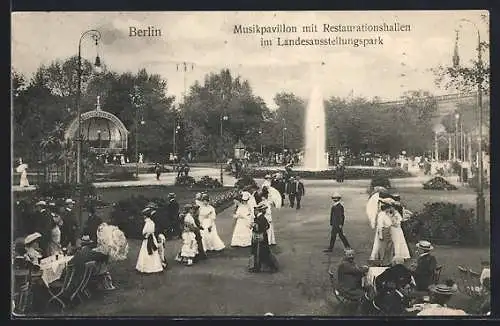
(444, 223)
(439, 183)
(208, 183)
(352, 173)
(185, 181)
(245, 181)
(127, 216)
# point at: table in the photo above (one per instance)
(52, 271)
(484, 274)
(371, 275)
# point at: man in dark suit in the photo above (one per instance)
(295, 191)
(69, 230)
(337, 218)
(173, 223)
(279, 184)
(423, 271)
(349, 277)
(340, 172)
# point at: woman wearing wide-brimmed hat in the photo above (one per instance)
(149, 260)
(383, 247)
(261, 253)
(440, 296)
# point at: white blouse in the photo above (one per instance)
(149, 227)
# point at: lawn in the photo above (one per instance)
(222, 286)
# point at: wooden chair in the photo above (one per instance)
(58, 288)
(338, 293)
(90, 269)
(470, 283)
(437, 274)
(22, 287)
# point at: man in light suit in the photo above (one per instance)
(295, 191)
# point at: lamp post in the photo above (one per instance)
(176, 131)
(222, 119)
(136, 101)
(96, 36)
(480, 204)
(455, 150)
(436, 146)
(260, 140)
(284, 130)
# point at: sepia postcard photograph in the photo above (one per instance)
(250, 164)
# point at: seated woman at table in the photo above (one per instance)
(54, 245)
(32, 249)
(440, 296)
(349, 277)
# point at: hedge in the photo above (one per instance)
(127, 216)
(443, 223)
(439, 183)
(351, 173)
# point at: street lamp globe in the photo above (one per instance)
(457, 116)
(143, 122)
(225, 118)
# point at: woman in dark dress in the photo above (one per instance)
(261, 251)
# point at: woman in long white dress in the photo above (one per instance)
(242, 233)
(397, 235)
(382, 244)
(149, 260)
(23, 169)
(269, 217)
(210, 237)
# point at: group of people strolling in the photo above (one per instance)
(198, 233)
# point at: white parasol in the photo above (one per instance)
(275, 197)
(372, 208)
(111, 241)
(21, 168)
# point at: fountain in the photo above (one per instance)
(315, 156)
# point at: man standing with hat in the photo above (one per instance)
(172, 212)
(337, 219)
(426, 264)
(70, 224)
(279, 184)
(295, 191)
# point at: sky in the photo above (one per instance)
(206, 40)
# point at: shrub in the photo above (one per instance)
(351, 173)
(127, 215)
(121, 174)
(186, 181)
(439, 183)
(208, 182)
(445, 223)
(244, 181)
(380, 181)
(456, 167)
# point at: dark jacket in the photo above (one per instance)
(91, 226)
(424, 272)
(397, 274)
(278, 185)
(296, 188)
(349, 275)
(69, 228)
(337, 215)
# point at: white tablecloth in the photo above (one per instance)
(53, 271)
(372, 273)
(484, 274)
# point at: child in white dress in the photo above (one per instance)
(189, 247)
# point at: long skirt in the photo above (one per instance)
(242, 234)
(147, 263)
(270, 235)
(261, 255)
(383, 249)
(211, 239)
(24, 180)
(399, 241)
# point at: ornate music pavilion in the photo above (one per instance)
(102, 130)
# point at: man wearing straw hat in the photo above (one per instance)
(426, 264)
(337, 219)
